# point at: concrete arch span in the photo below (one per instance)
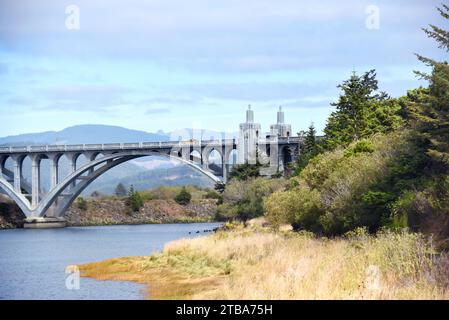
(55, 203)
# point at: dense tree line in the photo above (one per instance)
(383, 161)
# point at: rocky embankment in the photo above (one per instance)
(10, 214)
(113, 211)
(106, 212)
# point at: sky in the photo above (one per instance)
(172, 64)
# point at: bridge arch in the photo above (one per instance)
(64, 192)
(18, 198)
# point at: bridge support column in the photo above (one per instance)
(225, 151)
(35, 180)
(225, 172)
(72, 164)
(91, 158)
(54, 172)
(17, 173)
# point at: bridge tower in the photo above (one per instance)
(280, 129)
(248, 139)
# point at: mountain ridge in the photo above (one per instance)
(100, 133)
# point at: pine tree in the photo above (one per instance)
(120, 190)
(310, 140)
(361, 110)
(308, 149)
(134, 200)
(431, 113)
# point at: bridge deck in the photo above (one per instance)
(113, 146)
(130, 146)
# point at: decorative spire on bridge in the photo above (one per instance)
(280, 129)
(249, 115)
(280, 116)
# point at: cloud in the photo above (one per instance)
(157, 111)
(20, 101)
(257, 91)
(83, 97)
(223, 36)
(199, 59)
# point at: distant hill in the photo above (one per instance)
(87, 133)
(175, 176)
(98, 133)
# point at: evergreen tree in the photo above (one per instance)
(310, 140)
(134, 200)
(431, 112)
(361, 110)
(120, 190)
(308, 149)
(245, 171)
(183, 197)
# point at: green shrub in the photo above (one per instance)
(245, 171)
(336, 193)
(170, 192)
(183, 197)
(211, 194)
(243, 200)
(361, 146)
(134, 200)
(146, 195)
(279, 208)
(81, 203)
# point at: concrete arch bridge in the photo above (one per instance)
(48, 209)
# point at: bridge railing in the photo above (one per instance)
(106, 146)
(113, 146)
(55, 147)
(131, 145)
(97, 146)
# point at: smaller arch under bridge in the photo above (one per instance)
(48, 209)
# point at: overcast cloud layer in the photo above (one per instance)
(171, 64)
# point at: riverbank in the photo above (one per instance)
(115, 211)
(110, 211)
(256, 263)
(10, 214)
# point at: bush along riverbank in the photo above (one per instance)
(255, 262)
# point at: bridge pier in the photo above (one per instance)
(18, 161)
(35, 179)
(44, 223)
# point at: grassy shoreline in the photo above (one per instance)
(255, 263)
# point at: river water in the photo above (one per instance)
(33, 262)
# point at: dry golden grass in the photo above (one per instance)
(248, 264)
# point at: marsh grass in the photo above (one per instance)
(245, 263)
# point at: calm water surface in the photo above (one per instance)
(33, 262)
